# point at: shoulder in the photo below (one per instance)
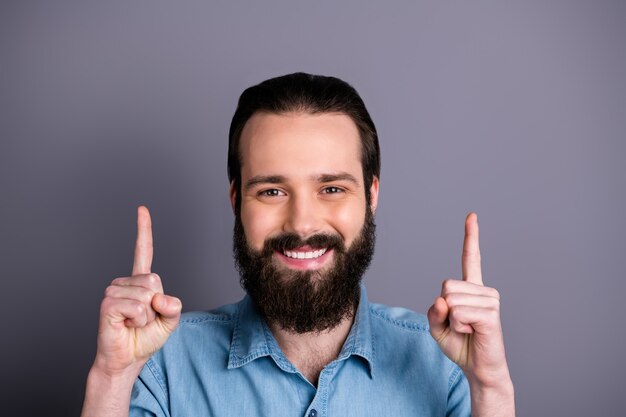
(398, 328)
(399, 333)
(399, 318)
(197, 330)
(220, 316)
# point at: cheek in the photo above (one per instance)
(348, 221)
(257, 225)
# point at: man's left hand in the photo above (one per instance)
(465, 321)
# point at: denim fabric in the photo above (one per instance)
(227, 363)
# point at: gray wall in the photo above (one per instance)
(514, 109)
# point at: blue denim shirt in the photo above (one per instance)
(227, 363)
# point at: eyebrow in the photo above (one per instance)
(279, 179)
(264, 179)
(340, 176)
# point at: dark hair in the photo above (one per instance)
(300, 92)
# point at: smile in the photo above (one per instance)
(304, 255)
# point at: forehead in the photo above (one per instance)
(298, 144)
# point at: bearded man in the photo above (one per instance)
(304, 169)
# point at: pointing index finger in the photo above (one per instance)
(143, 247)
(470, 259)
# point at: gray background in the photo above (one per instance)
(514, 109)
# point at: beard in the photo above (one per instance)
(305, 301)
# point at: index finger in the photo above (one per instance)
(470, 259)
(143, 245)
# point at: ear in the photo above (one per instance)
(232, 195)
(374, 194)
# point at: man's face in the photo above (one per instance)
(305, 231)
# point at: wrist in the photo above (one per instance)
(103, 369)
(104, 375)
(493, 398)
(108, 393)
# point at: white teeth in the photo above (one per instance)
(304, 255)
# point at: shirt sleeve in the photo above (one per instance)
(149, 394)
(459, 402)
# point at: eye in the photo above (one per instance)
(332, 190)
(272, 192)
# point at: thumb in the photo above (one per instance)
(437, 318)
(169, 309)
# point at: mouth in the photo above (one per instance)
(304, 258)
(304, 254)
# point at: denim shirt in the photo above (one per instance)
(227, 363)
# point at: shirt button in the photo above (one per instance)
(313, 413)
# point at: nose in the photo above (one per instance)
(304, 217)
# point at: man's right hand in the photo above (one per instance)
(136, 317)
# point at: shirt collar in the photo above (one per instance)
(249, 340)
(359, 341)
(252, 338)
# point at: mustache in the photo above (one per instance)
(290, 241)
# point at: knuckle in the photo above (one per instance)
(454, 314)
(493, 314)
(140, 308)
(154, 278)
(118, 281)
(451, 299)
(471, 254)
(109, 291)
(146, 296)
(495, 293)
(447, 285)
(458, 326)
(454, 318)
(107, 305)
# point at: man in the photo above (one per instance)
(304, 168)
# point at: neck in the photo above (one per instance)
(310, 352)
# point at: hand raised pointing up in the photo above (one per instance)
(465, 321)
(136, 317)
